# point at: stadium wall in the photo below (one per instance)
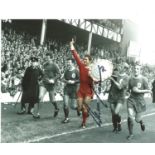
(130, 33)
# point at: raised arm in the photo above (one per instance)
(74, 52)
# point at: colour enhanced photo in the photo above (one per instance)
(77, 81)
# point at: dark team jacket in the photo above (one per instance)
(141, 83)
(116, 93)
(51, 71)
(71, 75)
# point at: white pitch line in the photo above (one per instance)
(149, 114)
(64, 133)
(74, 131)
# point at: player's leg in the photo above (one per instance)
(79, 104)
(53, 101)
(86, 103)
(66, 108)
(118, 116)
(74, 102)
(114, 121)
(73, 98)
(138, 119)
(131, 114)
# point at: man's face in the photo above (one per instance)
(48, 57)
(86, 61)
(121, 69)
(69, 64)
(26, 64)
(34, 64)
(137, 70)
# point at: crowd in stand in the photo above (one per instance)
(17, 48)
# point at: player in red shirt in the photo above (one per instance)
(85, 92)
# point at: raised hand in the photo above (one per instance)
(72, 44)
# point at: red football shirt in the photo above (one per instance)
(86, 82)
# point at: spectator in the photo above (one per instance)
(30, 86)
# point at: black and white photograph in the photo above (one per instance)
(72, 78)
(77, 77)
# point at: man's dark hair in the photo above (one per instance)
(89, 57)
(73, 61)
(137, 64)
(49, 54)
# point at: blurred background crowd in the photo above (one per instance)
(18, 47)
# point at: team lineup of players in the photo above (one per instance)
(78, 90)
